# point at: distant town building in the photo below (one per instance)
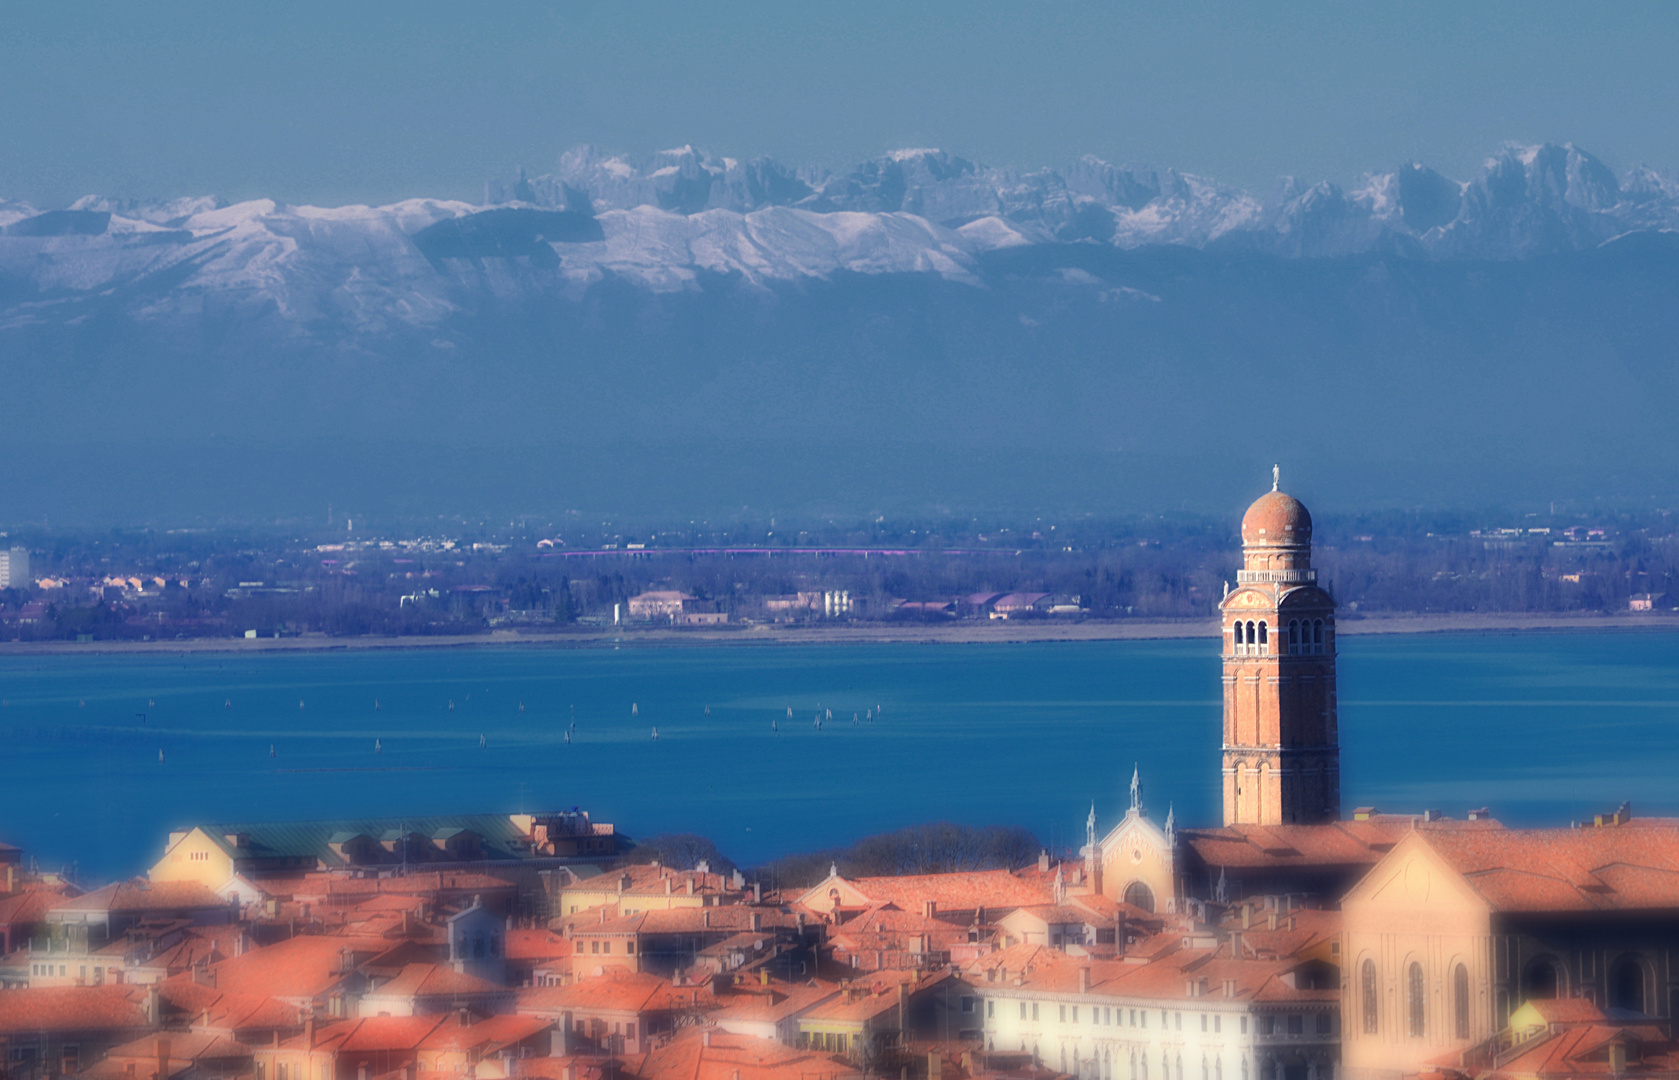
(1649, 602)
(659, 604)
(14, 568)
(213, 855)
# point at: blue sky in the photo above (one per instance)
(373, 101)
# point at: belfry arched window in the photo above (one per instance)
(1294, 635)
(1416, 1003)
(1369, 1000)
(1264, 638)
(1236, 637)
(1460, 1001)
(1317, 635)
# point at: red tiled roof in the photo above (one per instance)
(295, 968)
(372, 1033)
(1335, 844)
(615, 990)
(1577, 1052)
(874, 994)
(138, 894)
(1566, 1010)
(688, 1057)
(486, 1034)
(536, 944)
(431, 980)
(1606, 869)
(960, 891)
(1166, 976)
(29, 906)
(72, 1008)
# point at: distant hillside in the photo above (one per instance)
(919, 333)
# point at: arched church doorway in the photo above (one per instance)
(1540, 981)
(1626, 985)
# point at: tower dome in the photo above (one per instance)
(1277, 519)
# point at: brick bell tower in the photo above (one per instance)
(1281, 762)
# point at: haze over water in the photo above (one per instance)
(1540, 727)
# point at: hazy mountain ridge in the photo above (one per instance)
(682, 216)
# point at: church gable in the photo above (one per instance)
(1410, 877)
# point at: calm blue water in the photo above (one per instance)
(1539, 727)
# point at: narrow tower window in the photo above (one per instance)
(1264, 639)
(1294, 635)
(1414, 999)
(1367, 995)
(1460, 1001)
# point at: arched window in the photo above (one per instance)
(1415, 1003)
(1236, 637)
(1293, 635)
(1626, 985)
(1264, 637)
(1540, 980)
(1460, 1002)
(478, 947)
(1139, 895)
(1317, 635)
(1369, 998)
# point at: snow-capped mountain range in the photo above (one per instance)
(681, 217)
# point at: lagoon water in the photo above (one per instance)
(1543, 728)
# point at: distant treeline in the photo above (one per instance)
(938, 847)
(222, 584)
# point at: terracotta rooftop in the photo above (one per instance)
(1554, 870)
(960, 891)
(298, 967)
(1335, 844)
(616, 990)
(720, 1055)
(138, 895)
(372, 1033)
(536, 944)
(1582, 1051)
(873, 994)
(72, 1008)
(433, 980)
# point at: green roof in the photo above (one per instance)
(314, 839)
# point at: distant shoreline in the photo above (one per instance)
(994, 632)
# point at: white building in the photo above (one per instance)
(14, 568)
(1189, 1012)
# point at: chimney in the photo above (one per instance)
(361, 1071)
(929, 909)
(154, 1005)
(1084, 978)
(162, 1058)
(935, 1065)
(763, 976)
(705, 919)
(705, 1038)
(1618, 1057)
(668, 889)
(1043, 861)
(569, 1072)
(1271, 919)
(757, 921)
(757, 892)
(1236, 943)
(690, 885)
(463, 1016)
(1229, 989)
(309, 1032)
